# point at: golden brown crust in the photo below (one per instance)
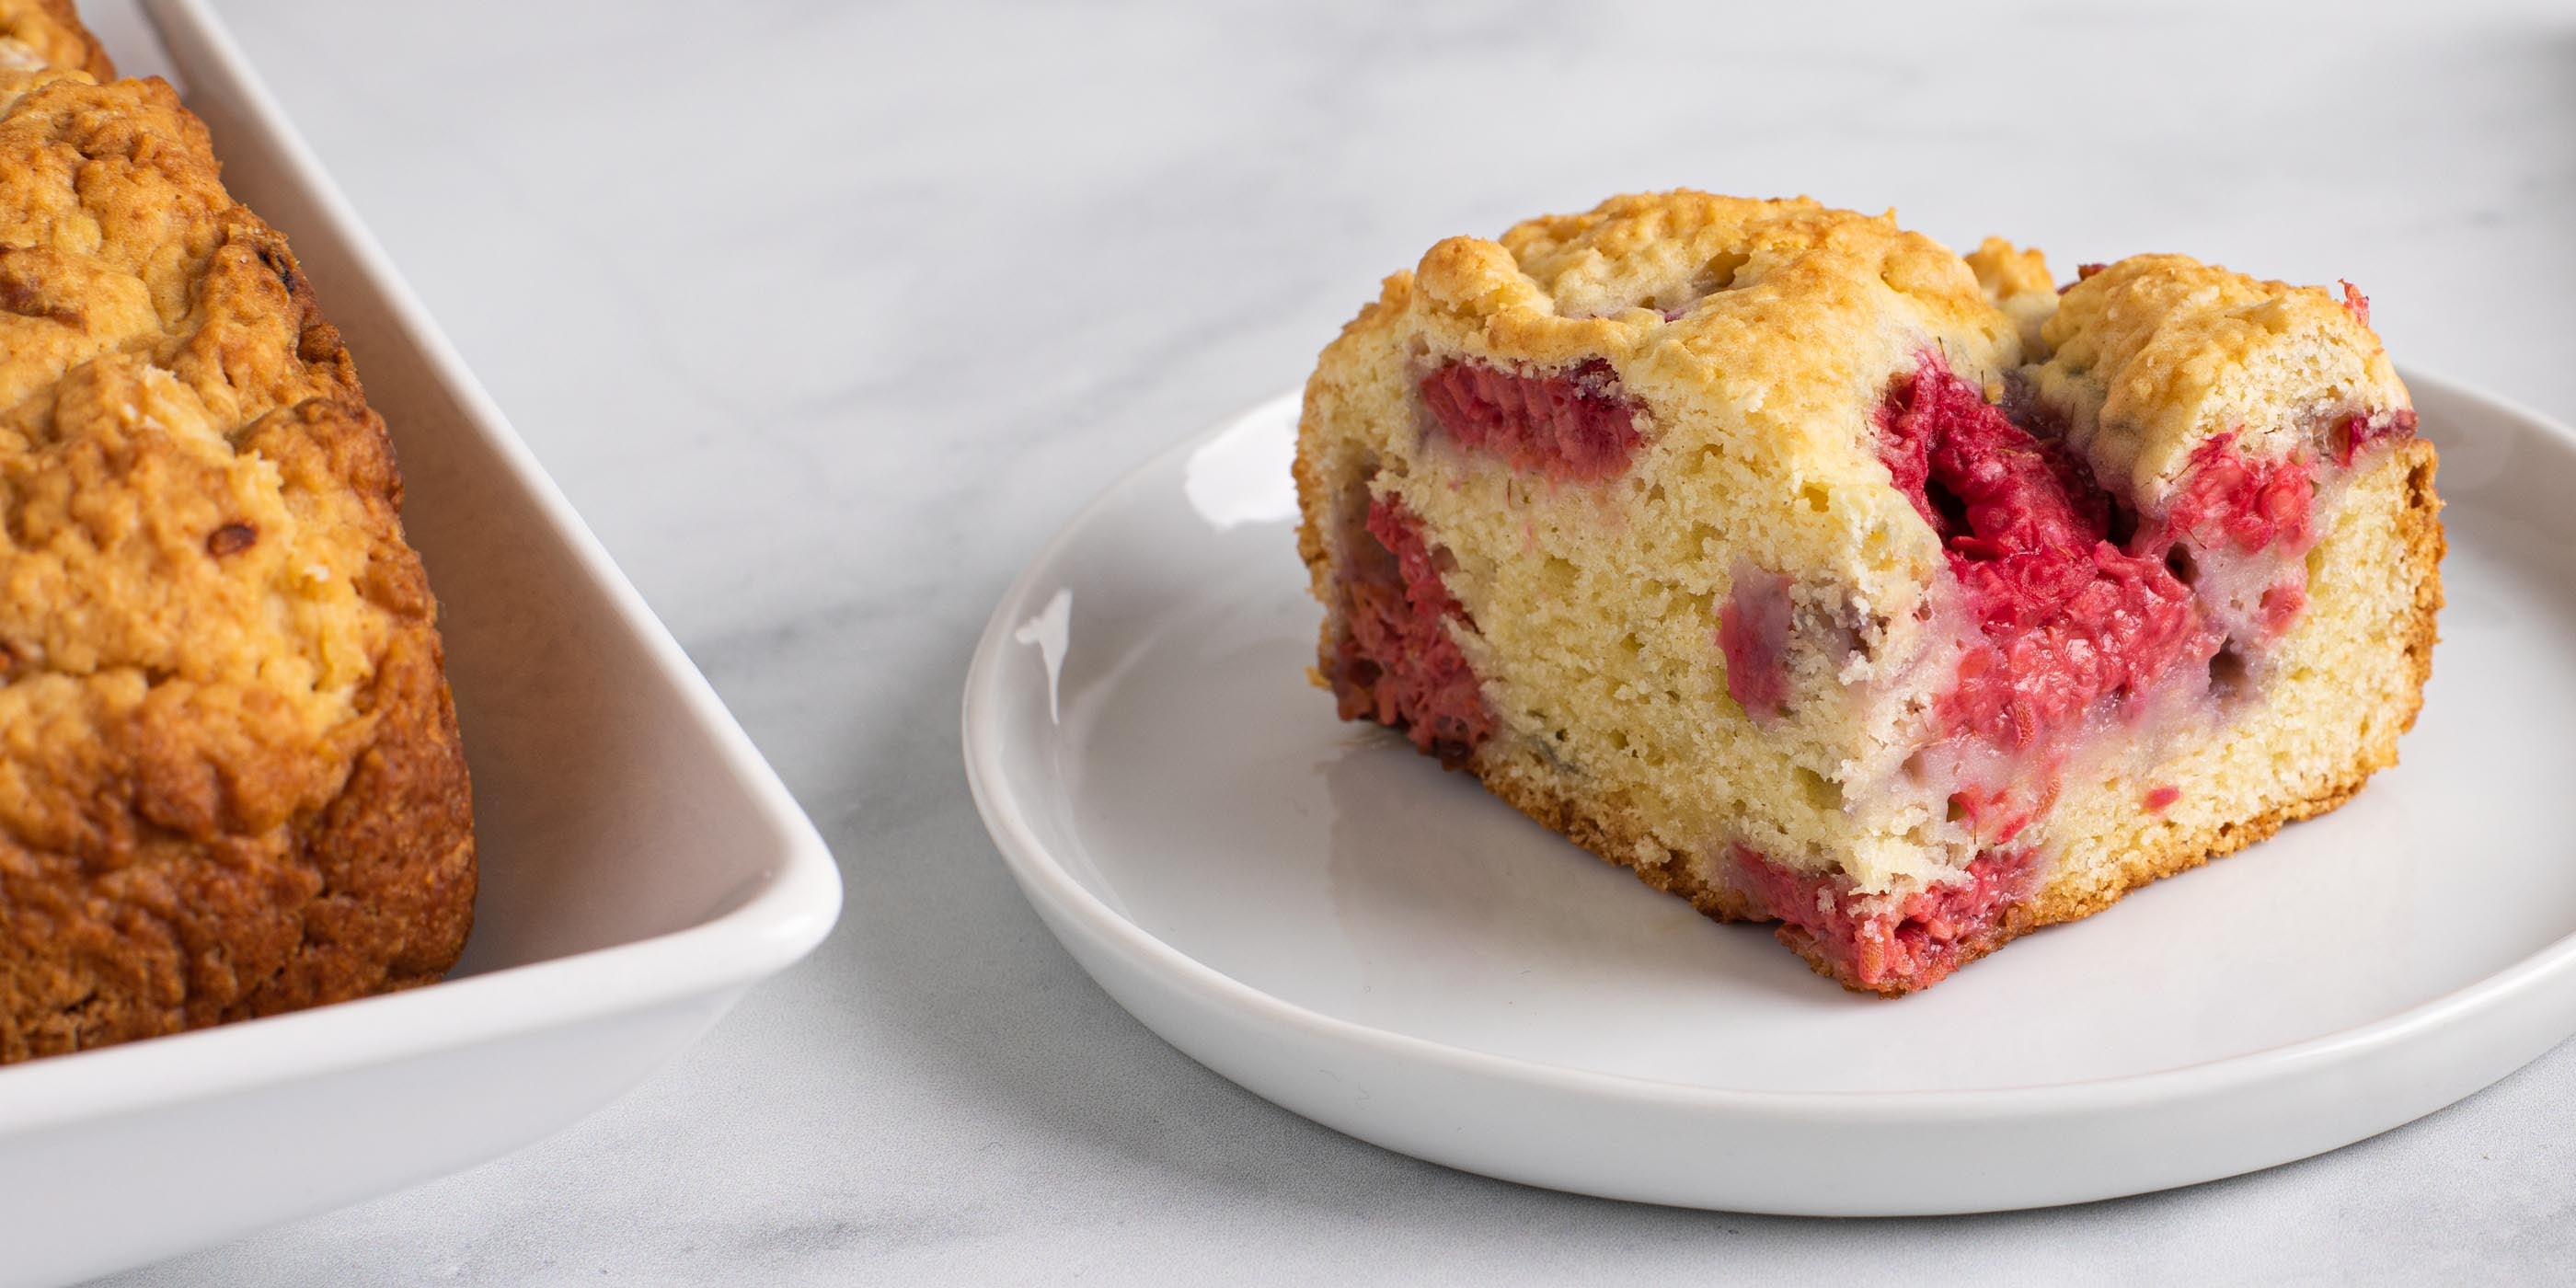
(37, 34)
(1676, 874)
(1623, 842)
(2008, 273)
(230, 777)
(2152, 356)
(2017, 282)
(1815, 305)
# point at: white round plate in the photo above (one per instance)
(1312, 910)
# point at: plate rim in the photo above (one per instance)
(1042, 876)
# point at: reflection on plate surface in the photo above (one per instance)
(1201, 788)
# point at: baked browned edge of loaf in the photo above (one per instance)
(230, 779)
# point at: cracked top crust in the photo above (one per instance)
(1756, 337)
(37, 34)
(1786, 292)
(230, 781)
(2018, 282)
(2156, 354)
(1766, 331)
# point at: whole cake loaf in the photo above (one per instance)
(1826, 577)
(230, 782)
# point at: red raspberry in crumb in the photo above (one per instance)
(2162, 798)
(2068, 618)
(2356, 434)
(1753, 630)
(2225, 499)
(2281, 604)
(1397, 664)
(1574, 426)
(1875, 940)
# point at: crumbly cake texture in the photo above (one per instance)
(230, 780)
(1824, 576)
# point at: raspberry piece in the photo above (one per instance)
(1574, 427)
(2069, 622)
(1879, 942)
(2068, 617)
(1753, 630)
(2225, 499)
(2356, 435)
(1397, 663)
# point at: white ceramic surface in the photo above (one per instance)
(641, 864)
(828, 316)
(1319, 914)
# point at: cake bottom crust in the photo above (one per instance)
(1530, 786)
(2059, 900)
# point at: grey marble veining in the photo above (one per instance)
(825, 315)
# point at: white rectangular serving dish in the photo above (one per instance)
(641, 865)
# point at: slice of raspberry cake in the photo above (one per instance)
(1825, 577)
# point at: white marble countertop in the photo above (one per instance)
(825, 315)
